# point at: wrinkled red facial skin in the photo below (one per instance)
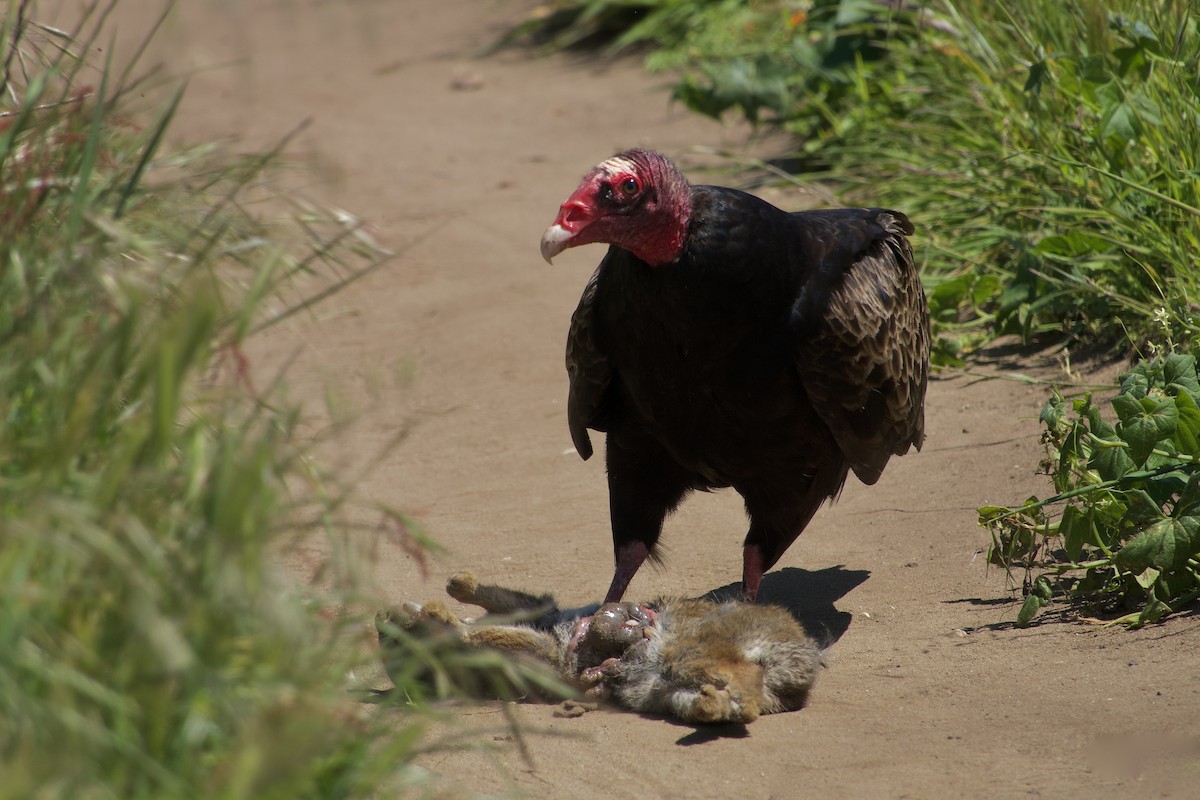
(635, 200)
(605, 190)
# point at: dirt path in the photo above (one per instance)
(462, 337)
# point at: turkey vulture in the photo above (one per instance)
(723, 342)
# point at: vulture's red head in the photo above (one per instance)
(637, 200)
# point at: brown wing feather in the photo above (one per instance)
(865, 364)
(588, 369)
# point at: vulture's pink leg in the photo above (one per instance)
(752, 571)
(629, 558)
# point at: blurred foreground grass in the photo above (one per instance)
(148, 646)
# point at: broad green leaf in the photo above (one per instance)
(1127, 406)
(1139, 33)
(1187, 430)
(1188, 503)
(989, 513)
(949, 291)
(1142, 510)
(1014, 296)
(1093, 69)
(852, 12)
(1147, 577)
(1029, 609)
(1111, 462)
(1120, 122)
(1096, 423)
(1166, 545)
(1136, 383)
(1130, 58)
(1144, 422)
(1180, 369)
(1052, 413)
(1072, 244)
(1082, 405)
(984, 288)
(1165, 487)
(1165, 456)
(804, 53)
(1109, 508)
(1154, 611)
(1075, 530)
(1075, 443)
(1038, 74)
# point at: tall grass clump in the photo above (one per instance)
(148, 648)
(1051, 155)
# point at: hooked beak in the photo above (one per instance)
(573, 216)
(554, 241)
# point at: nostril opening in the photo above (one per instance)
(573, 213)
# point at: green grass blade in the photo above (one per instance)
(149, 150)
(83, 188)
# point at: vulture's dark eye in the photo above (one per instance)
(629, 187)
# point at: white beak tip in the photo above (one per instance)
(554, 241)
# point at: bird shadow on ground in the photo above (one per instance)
(809, 596)
(710, 733)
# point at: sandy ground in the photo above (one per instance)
(463, 162)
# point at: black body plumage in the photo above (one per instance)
(778, 352)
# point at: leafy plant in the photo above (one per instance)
(1128, 532)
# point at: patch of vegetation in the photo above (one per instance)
(1047, 153)
(150, 477)
(1124, 535)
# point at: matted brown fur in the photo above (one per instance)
(697, 660)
